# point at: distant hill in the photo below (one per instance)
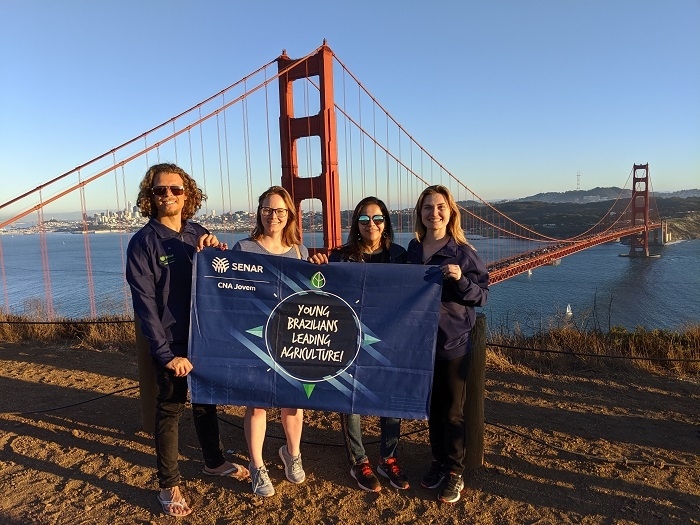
(565, 219)
(599, 194)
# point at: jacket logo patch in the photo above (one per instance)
(165, 260)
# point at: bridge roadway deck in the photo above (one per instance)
(521, 263)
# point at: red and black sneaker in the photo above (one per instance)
(366, 480)
(389, 468)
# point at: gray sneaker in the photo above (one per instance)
(451, 489)
(262, 486)
(293, 468)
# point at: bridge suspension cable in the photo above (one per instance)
(240, 147)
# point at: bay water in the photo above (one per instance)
(602, 288)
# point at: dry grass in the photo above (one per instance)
(567, 348)
(115, 331)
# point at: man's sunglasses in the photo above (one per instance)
(376, 219)
(159, 191)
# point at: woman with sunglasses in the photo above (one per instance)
(440, 241)
(370, 241)
(276, 233)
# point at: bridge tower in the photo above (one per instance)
(326, 186)
(639, 244)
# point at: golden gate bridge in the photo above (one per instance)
(331, 144)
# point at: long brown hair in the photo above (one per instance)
(146, 202)
(290, 233)
(354, 247)
(454, 225)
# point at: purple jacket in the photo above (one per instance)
(457, 315)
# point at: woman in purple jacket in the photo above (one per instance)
(440, 241)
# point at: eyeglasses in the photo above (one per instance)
(159, 191)
(280, 212)
(376, 219)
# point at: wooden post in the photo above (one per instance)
(148, 388)
(474, 403)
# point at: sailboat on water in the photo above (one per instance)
(569, 313)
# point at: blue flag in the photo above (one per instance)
(270, 331)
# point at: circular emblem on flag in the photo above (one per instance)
(313, 335)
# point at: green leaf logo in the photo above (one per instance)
(318, 280)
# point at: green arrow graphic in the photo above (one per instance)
(256, 331)
(308, 388)
(369, 340)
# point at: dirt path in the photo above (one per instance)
(90, 463)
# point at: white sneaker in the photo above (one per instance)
(293, 468)
(262, 486)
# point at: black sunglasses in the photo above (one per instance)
(159, 191)
(266, 211)
(376, 219)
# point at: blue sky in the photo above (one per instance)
(514, 97)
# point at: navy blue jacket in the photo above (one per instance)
(159, 272)
(457, 315)
(397, 254)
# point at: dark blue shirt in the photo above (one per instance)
(395, 254)
(159, 272)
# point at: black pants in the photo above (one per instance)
(446, 422)
(172, 395)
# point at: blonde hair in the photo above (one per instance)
(454, 225)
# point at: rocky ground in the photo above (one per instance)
(591, 446)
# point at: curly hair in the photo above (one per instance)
(146, 202)
(454, 225)
(290, 233)
(354, 248)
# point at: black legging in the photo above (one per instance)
(446, 422)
